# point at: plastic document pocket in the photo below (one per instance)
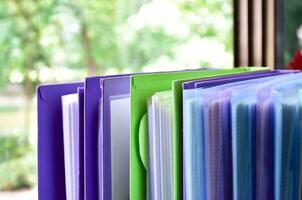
(287, 135)
(120, 132)
(114, 137)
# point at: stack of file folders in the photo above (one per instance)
(196, 134)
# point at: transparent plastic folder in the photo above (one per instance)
(193, 145)
(265, 151)
(243, 119)
(193, 138)
(219, 121)
(287, 136)
(243, 110)
(114, 137)
(194, 166)
(242, 133)
(244, 129)
(218, 138)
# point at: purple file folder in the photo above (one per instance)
(81, 144)
(51, 172)
(110, 88)
(91, 101)
(92, 95)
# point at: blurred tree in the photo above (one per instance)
(22, 22)
(18, 158)
(97, 21)
(211, 19)
(98, 35)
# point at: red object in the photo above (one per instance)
(296, 62)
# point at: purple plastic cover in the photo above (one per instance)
(81, 145)
(51, 172)
(110, 87)
(92, 96)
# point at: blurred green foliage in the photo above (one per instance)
(39, 37)
(8, 108)
(17, 162)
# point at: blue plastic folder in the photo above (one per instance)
(194, 166)
(218, 127)
(243, 137)
(194, 175)
(243, 111)
(265, 151)
(218, 140)
(287, 137)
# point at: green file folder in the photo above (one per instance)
(143, 86)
